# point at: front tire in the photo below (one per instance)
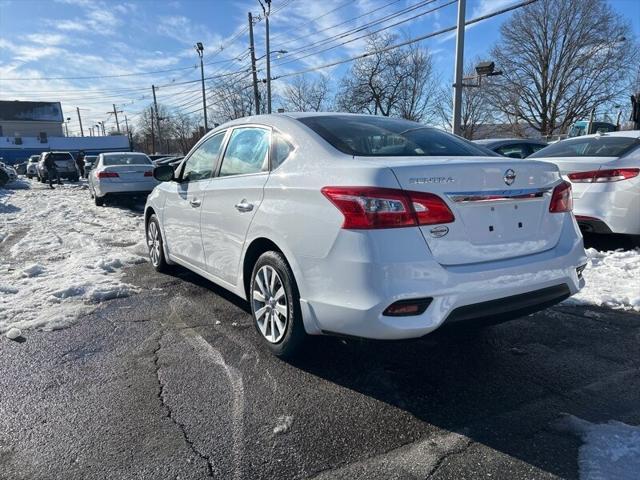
(156, 245)
(275, 305)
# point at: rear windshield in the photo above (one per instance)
(373, 136)
(589, 147)
(61, 156)
(126, 159)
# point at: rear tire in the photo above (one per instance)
(275, 305)
(99, 201)
(155, 245)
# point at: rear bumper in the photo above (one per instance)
(592, 225)
(508, 308)
(349, 297)
(124, 189)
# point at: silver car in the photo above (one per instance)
(32, 166)
(128, 174)
(65, 164)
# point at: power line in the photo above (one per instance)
(382, 7)
(368, 34)
(410, 41)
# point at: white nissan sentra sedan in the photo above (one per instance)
(366, 226)
(604, 170)
(119, 174)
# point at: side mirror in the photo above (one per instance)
(163, 173)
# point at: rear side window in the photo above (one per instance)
(202, 162)
(247, 152)
(374, 136)
(61, 156)
(589, 147)
(111, 160)
(280, 151)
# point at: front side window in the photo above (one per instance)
(202, 162)
(599, 146)
(374, 136)
(247, 152)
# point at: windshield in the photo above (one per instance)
(126, 159)
(373, 136)
(599, 146)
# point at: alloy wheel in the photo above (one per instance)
(153, 242)
(270, 305)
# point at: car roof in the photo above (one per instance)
(498, 141)
(623, 133)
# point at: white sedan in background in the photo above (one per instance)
(604, 170)
(121, 174)
(366, 226)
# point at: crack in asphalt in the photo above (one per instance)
(169, 412)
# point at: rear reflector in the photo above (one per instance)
(148, 173)
(107, 174)
(372, 207)
(407, 308)
(604, 176)
(561, 200)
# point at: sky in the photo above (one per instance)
(126, 46)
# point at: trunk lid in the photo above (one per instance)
(501, 206)
(129, 173)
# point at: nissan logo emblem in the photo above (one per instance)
(509, 177)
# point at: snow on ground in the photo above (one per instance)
(612, 279)
(60, 255)
(610, 450)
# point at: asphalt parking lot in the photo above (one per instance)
(173, 383)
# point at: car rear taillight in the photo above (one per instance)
(372, 207)
(604, 176)
(561, 200)
(107, 175)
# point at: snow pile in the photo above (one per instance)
(60, 255)
(612, 279)
(610, 450)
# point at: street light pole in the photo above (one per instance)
(459, 67)
(200, 49)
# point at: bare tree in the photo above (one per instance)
(561, 59)
(184, 128)
(305, 95)
(395, 82)
(476, 109)
(231, 98)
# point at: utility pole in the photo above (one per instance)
(126, 123)
(153, 138)
(115, 112)
(80, 121)
(267, 11)
(256, 95)
(155, 107)
(457, 86)
(200, 49)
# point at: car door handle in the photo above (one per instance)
(195, 202)
(244, 206)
